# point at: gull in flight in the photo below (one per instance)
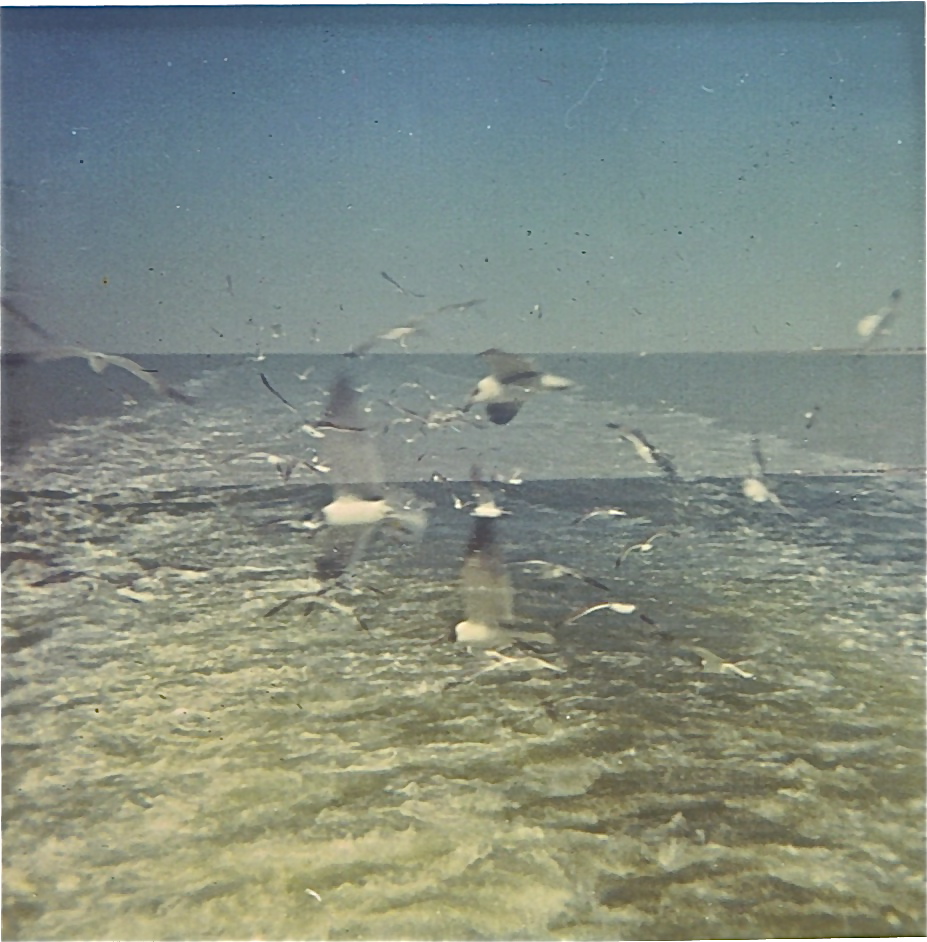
(647, 452)
(712, 664)
(754, 486)
(645, 546)
(512, 380)
(601, 512)
(548, 570)
(622, 608)
(485, 589)
(401, 333)
(100, 361)
(873, 326)
(360, 501)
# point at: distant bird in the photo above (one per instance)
(432, 420)
(548, 570)
(601, 512)
(512, 380)
(755, 487)
(484, 501)
(645, 546)
(100, 361)
(712, 664)
(644, 449)
(873, 326)
(621, 608)
(810, 416)
(285, 465)
(400, 334)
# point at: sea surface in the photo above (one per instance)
(193, 747)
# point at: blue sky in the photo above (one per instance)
(627, 178)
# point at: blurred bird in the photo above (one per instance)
(512, 380)
(645, 546)
(100, 361)
(644, 449)
(601, 512)
(548, 570)
(361, 501)
(622, 608)
(53, 350)
(486, 591)
(873, 326)
(485, 588)
(755, 487)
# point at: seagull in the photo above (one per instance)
(601, 512)
(403, 332)
(645, 546)
(712, 664)
(873, 326)
(432, 420)
(512, 380)
(644, 449)
(100, 361)
(400, 334)
(622, 608)
(360, 501)
(548, 570)
(755, 488)
(284, 464)
(485, 505)
(486, 593)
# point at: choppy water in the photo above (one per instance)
(179, 764)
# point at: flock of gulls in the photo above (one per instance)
(362, 502)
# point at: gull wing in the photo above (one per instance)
(100, 361)
(8, 307)
(510, 369)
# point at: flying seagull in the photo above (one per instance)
(360, 499)
(754, 486)
(485, 588)
(873, 326)
(601, 512)
(622, 608)
(712, 664)
(649, 453)
(486, 591)
(398, 334)
(53, 350)
(100, 361)
(548, 570)
(645, 546)
(402, 332)
(512, 380)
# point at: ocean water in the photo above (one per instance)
(185, 758)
